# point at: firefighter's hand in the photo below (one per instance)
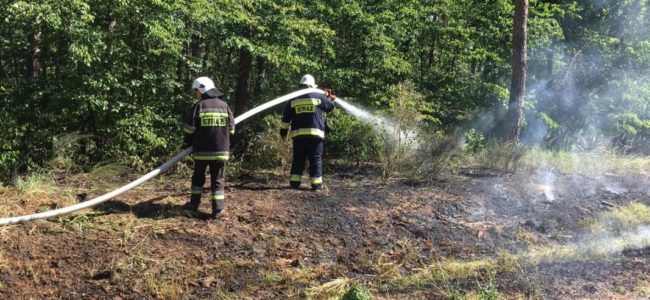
(329, 94)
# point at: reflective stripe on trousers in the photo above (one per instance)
(307, 148)
(217, 180)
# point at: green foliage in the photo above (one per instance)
(118, 72)
(267, 149)
(488, 292)
(474, 141)
(357, 292)
(410, 150)
(65, 150)
(352, 139)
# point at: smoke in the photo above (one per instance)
(637, 238)
(591, 82)
(593, 247)
(547, 181)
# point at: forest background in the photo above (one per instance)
(84, 83)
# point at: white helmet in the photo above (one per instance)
(308, 80)
(203, 84)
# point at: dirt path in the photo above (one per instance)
(401, 241)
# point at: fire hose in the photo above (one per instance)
(146, 177)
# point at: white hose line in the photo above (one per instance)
(141, 180)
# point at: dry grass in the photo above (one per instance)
(103, 175)
(527, 237)
(10, 204)
(34, 193)
(330, 290)
(4, 261)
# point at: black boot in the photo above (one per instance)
(193, 204)
(216, 212)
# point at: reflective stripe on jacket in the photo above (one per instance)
(208, 127)
(304, 115)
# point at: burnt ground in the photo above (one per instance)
(276, 243)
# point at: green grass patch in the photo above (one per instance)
(357, 292)
(594, 163)
(642, 289)
(445, 270)
(621, 218)
(36, 183)
(272, 278)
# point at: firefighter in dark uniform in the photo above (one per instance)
(208, 127)
(304, 116)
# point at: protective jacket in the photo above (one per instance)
(304, 115)
(208, 127)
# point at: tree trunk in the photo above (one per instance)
(243, 93)
(261, 76)
(34, 66)
(519, 64)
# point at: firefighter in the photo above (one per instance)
(208, 127)
(304, 116)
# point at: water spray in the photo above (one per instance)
(152, 174)
(388, 126)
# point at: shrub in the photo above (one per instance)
(503, 156)
(267, 149)
(66, 151)
(474, 141)
(433, 156)
(352, 138)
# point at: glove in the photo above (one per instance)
(283, 133)
(329, 94)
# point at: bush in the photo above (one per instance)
(474, 141)
(66, 154)
(143, 140)
(503, 156)
(267, 149)
(433, 156)
(352, 138)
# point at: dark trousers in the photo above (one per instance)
(217, 181)
(312, 149)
